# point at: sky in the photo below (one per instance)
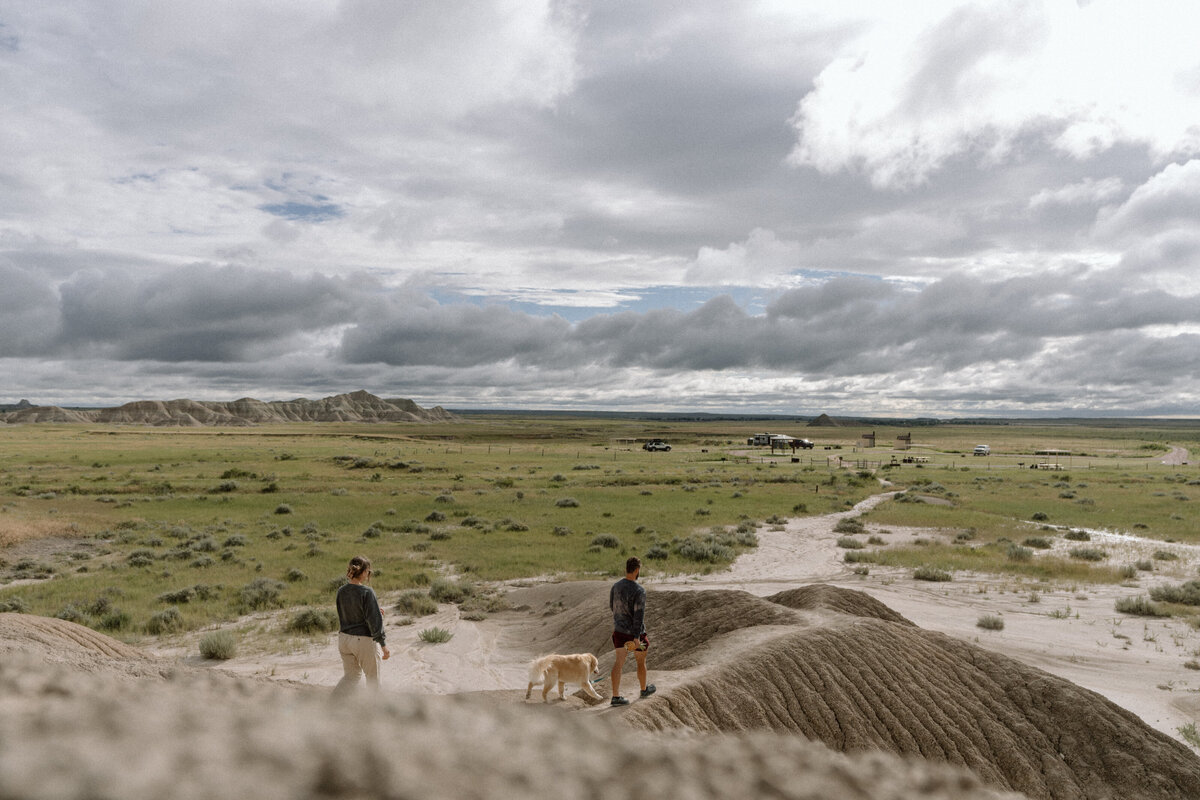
(897, 209)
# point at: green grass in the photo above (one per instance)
(154, 530)
(1188, 734)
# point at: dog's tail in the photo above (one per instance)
(537, 674)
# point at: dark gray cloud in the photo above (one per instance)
(198, 313)
(29, 312)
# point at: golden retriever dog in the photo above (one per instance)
(552, 669)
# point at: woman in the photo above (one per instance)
(361, 626)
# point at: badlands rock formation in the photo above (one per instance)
(360, 406)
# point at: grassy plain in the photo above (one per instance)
(116, 526)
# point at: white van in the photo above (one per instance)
(982, 450)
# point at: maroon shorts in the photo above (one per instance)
(619, 639)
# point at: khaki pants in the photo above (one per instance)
(360, 656)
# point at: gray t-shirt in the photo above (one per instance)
(358, 612)
(627, 599)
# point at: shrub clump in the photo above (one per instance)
(1187, 594)
(140, 558)
(1038, 542)
(1018, 553)
(1165, 555)
(567, 502)
(607, 540)
(849, 525)
(169, 620)
(14, 605)
(849, 543)
(1140, 606)
(1088, 553)
(262, 593)
(219, 645)
(858, 556)
(657, 552)
(313, 620)
(1078, 536)
(990, 622)
(444, 590)
(416, 603)
(927, 573)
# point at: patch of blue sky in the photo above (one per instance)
(575, 305)
(305, 212)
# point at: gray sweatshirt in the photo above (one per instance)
(358, 612)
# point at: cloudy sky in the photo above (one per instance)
(934, 208)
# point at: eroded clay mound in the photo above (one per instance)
(57, 641)
(67, 735)
(680, 624)
(833, 598)
(858, 684)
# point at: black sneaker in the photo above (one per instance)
(619, 701)
(649, 690)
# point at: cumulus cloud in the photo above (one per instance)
(1170, 199)
(761, 256)
(1086, 192)
(972, 79)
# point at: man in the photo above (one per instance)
(627, 600)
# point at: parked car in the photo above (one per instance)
(805, 444)
(656, 445)
(982, 450)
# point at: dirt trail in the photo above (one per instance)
(1177, 457)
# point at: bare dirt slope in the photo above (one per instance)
(67, 734)
(840, 667)
(754, 685)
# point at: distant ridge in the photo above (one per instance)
(360, 406)
(824, 421)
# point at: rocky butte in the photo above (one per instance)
(360, 406)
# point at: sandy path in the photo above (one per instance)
(1177, 457)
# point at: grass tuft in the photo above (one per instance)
(435, 635)
(990, 622)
